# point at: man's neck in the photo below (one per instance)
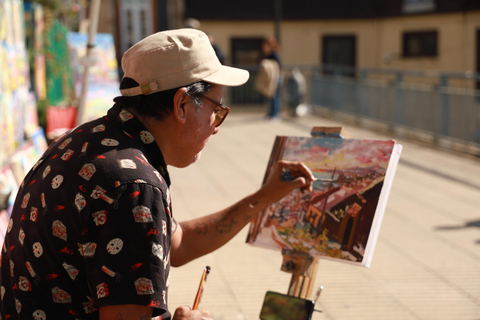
(165, 136)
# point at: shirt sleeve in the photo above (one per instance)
(126, 248)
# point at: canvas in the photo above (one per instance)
(341, 218)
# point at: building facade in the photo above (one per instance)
(419, 35)
(426, 35)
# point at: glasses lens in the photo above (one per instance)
(221, 113)
(220, 116)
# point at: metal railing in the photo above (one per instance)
(442, 106)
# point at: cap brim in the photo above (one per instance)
(228, 76)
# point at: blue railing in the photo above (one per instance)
(431, 106)
(442, 106)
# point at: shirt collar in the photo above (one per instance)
(134, 128)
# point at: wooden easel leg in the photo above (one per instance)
(311, 282)
(300, 285)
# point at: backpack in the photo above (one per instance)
(266, 82)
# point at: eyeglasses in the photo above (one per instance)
(221, 113)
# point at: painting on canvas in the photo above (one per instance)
(336, 219)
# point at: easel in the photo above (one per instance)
(303, 266)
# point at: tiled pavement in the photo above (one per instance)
(426, 263)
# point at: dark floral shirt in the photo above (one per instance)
(91, 226)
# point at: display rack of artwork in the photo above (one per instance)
(22, 139)
(103, 82)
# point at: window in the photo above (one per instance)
(420, 44)
(246, 53)
(339, 52)
(135, 21)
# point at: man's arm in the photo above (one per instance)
(127, 311)
(197, 237)
(132, 311)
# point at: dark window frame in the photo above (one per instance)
(248, 43)
(252, 47)
(327, 40)
(427, 42)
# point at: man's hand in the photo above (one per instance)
(185, 313)
(277, 187)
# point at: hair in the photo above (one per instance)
(158, 105)
(272, 43)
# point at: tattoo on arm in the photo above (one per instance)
(200, 228)
(223, 223)
(247, 217)
(226, 227)
(226, 215)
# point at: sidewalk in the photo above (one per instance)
(426, 263)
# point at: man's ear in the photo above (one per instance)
(180, 99)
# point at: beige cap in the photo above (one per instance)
(175, 58)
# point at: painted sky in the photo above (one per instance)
(338, 153)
